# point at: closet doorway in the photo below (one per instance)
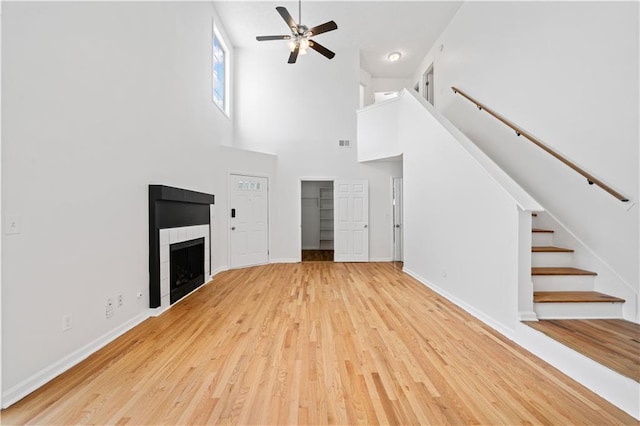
(317, 220)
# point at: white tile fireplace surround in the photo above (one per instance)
(170, 236)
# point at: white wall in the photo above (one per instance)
(461, 228)
(300, 112)
(99, 101)
(365, 80)
(463, 216)
(223, 161)
(378, 130)
(568, 73)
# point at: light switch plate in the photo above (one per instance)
(12, 225)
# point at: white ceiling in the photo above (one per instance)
(377, 28)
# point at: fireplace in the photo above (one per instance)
(186, 263)
(179, 243)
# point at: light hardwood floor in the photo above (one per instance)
(317, 255)
(313, 343)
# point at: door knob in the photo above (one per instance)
(233, 228)
(397, 226)
(366, 226)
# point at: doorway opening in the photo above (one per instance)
(383, 96)
(317, 221)
(428, 85)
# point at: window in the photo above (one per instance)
(220, 73)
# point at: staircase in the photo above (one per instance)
(562, 291)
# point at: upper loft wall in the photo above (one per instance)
(390, 84)
(300, 112)
(568, 73)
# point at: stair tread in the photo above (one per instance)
(573, 297)
(542, 230)
(550, 249)
(559, 270)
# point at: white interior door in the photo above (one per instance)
(351, 220)
(397, 220)
(429, 88)
(249, 237)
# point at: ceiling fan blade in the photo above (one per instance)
(326, 27)
(321, 49)
(287, 18)
(274, 37)
(294, 55)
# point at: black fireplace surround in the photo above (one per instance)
(172, 208)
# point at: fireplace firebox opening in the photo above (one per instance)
(186, 265)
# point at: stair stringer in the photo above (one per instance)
(607, 281)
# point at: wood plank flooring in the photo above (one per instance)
(317, 255)
(313, 343)
(611, 342)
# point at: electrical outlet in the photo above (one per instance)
(12, 225)
(66, 322)
(120, 300)
(109, 308)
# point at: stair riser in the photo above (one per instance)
(563, 282)
(577, 310)
(551, 259)
(542, 238)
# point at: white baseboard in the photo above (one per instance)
(499, 327)
(45, 375)
(156, 312)
(381, 259)
(218, 270)
(527, 316)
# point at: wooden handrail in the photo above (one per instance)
(520, 132)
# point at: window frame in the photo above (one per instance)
(217, 35)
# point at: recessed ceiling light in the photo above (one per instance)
(394, 56)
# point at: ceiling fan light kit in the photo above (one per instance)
(394, 56)
(300, 39)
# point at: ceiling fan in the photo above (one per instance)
(300, 38)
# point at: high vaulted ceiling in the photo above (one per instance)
(376, 28)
